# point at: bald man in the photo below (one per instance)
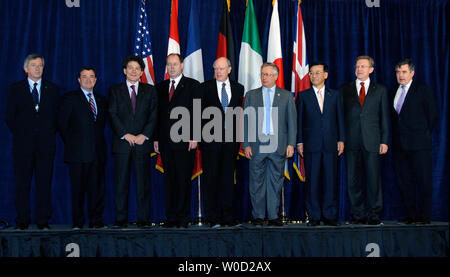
(219, 155)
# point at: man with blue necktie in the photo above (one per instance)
(413, 113)
(269, 139)
(219, 156)
(82, 121)
(320, 139)
(31, 115)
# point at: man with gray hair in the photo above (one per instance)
(274, 123)
(31, 115)
(219, 155)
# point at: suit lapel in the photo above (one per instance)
(313, 98)
(215, 97)
(355, 93)
(326, 99)
(44, 97)
(125, 95)
(139, 98)
(276, 97)
(85, 104)
(178, 90)
(409, 95)
(28, 98)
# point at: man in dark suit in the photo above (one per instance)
(82, 120)
(219, 156)
(413, 112)
(175, 94)
(133, 111)
(269, 139)
(320, 136)
(366, 120)
(31, 115)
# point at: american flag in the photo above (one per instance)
(143, 45)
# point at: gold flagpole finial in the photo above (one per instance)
(228, 4)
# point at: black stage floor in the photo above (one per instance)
(292, 240)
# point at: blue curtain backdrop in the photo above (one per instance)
(101, 33)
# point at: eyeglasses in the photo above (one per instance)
(315, 73)
(267, 74)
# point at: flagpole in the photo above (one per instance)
(283, 210)
(199, 221)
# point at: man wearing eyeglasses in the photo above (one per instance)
(320, 136)
(366, 120)
(275, 129)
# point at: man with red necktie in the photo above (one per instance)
(366, 121)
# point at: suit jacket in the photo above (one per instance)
(412, 128)
(287, 120)
(83, 134)
(186, 91)
(320, 131)
(32, 130)
(368, 124)
(123, 120)
(210, 98)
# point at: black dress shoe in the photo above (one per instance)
(119, 225)
(258, 222)
(43, 227)
(98, 225)
(276, 222)
(144, 225)
(313, 223)
(422, 221)
(21, 227)
(374, 221)
(358, 221)
(183, 224)
(170, 224)
(76, 227)
(330, 222)
(406, 221)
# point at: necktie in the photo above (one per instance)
(35, 94)
(172, 90)
(320, 100)
(362, 94)
(400, 100)
(224, 97)
(267, 110)
(133, 98)
(91, 103)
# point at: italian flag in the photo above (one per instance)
(250, 57)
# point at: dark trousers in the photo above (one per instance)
(178, 167)
(87, 179)
(218, 185)
(321, 183)
(25, 165)
(365, 197)
(414, 180)
(141, 163)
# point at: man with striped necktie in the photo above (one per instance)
(82, 120)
